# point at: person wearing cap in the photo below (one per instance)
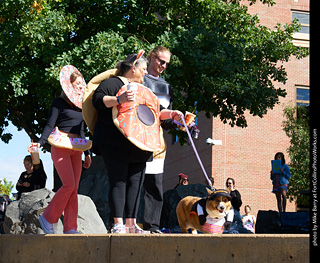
(183, 180)
(65, 114)
(125, 162)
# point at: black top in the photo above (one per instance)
(107, 139)
(37, 180)
(66, 117)
(236, 199)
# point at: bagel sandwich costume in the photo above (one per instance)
(65, 132)
(126, 136)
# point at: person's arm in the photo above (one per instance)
(271, 175)
(40, 176)
(167, 124)
(169, 114)
(104, 97)
(19, 186)
(53, 116)
(286, 172)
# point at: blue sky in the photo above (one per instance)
(12, 155)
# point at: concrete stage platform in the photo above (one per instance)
(154, 248)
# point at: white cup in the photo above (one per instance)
(134, 87)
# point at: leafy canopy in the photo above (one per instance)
(222, 58)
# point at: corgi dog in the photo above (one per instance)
(204, 214)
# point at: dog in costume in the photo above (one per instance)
(208, 215)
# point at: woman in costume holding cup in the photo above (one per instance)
(65, 133)
(126, 132)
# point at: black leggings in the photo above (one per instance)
(126, 180)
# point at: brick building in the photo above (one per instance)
(245, 153)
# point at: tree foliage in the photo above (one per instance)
(6, 187)
(296, 127)
(223, 58)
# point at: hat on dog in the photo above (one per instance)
(74, 96)
(183, 176)
(220, 192)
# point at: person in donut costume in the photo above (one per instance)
(126, 133)
(159, 59)
(66, 116)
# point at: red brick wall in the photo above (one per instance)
(246, 153)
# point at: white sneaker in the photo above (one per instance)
(118, 229)
(136, 229)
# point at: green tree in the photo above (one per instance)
(223, 58)
(296, 127)
(6, 187)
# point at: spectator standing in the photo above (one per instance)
(235, 200)
(183, 180)
(280, 182)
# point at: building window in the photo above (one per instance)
(302, 37)
(303, 95)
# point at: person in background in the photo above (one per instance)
(33, 178)
(248, 220)
(183, 180)
(280, 182)
(235, 200)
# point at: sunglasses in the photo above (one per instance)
(162, 62)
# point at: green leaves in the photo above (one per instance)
(222, 58)
(296, 126)
(227, 62)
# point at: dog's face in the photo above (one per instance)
(217, 207)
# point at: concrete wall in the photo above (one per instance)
(154, 248)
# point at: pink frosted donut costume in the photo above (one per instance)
(73, 96)
(139, 120)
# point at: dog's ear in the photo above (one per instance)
(228, 206)
(209, 191)
(210, 197)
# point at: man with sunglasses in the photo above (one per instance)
(159, 59)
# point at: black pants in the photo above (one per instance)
(153, 201)
(126, 180)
